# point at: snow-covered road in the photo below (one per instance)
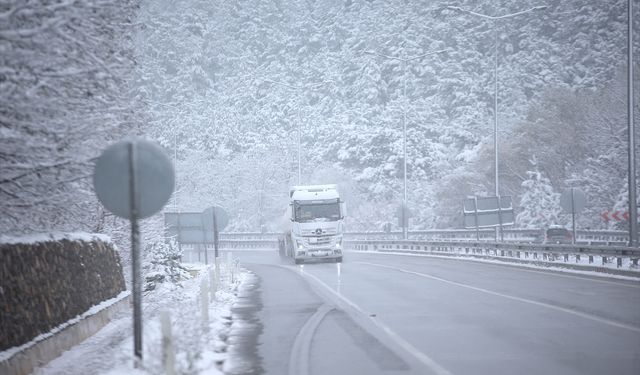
(387, 314)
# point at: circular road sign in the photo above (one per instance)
(154, 177)
(222, 218)
(573, 204)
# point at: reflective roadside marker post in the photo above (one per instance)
(121, 173)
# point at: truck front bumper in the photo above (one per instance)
(319, 254)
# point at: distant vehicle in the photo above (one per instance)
(557, 234)
(312, 225)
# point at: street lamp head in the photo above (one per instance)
(494, 18)
(456, 8)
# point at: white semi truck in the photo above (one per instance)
(312, 225)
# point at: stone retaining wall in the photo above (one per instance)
(44, 284)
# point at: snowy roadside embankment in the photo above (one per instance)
(199, 324)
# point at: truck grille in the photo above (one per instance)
(317, 241)
(320, 232)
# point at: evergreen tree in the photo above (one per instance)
(539, 204)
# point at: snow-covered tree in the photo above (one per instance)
(65, 68)
(206, 70)
(539, 203)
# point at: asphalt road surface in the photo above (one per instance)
(396, 314)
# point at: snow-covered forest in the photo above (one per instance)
(224, 86)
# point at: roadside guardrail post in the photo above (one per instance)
(204, 304)
(168, 355)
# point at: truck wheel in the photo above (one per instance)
(338, 260)
(299, 261)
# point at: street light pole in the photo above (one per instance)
(495, 107)
(299, 87)
(405, 220)
(633, 206)
(175, 166)
(404, 61)
(495, 19)
(299, 144)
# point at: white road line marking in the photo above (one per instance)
(523, 267)
(301, 349)
(402, 343)
(573, 276)
(542, 304)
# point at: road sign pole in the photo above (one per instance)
(204, 241)
(500, 219)
(475, 217)
(215, 235)
(179, 236)
(135, 256)
(573, 216)
(121, 172)
(216, 258)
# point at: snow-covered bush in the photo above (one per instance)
(162, 264)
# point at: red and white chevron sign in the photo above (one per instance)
(615, 215)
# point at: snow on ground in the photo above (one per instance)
(199, 348)
(54, 236)
(6, 354)
(549, 267)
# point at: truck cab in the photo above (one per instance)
(313, 224)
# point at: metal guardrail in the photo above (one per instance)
(612, 257)
(589, 237)
(235, 244)
(430, 245)
(249, 244)
(525, 252)
(249, 235)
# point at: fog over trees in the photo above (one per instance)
(224, 87)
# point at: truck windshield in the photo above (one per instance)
(317, 211)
